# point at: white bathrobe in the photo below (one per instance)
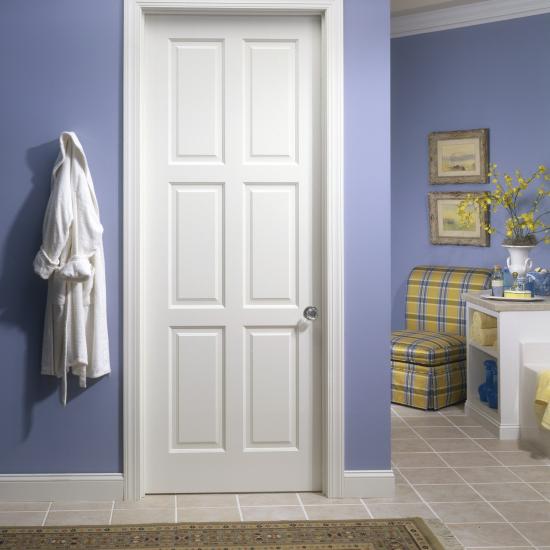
(71, 258)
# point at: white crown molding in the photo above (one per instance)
(487, 11)
(48, 487)
(368, 483)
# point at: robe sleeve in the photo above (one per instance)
(57, 224)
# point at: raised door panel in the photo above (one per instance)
(197, 232)
(229, 150)
(198, 102)
(271, 388)
(198, 389)
(271, 244)
(271, 122)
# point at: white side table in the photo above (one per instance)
(517, 322)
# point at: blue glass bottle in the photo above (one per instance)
(488, 390)
(492, 389)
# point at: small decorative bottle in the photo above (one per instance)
(497, 282)
(515, 281)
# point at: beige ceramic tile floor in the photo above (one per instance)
(490, 493)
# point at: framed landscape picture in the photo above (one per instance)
(446, 226)
(459, 157)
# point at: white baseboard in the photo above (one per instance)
(47, 487)
(368, 483)
(502, 431)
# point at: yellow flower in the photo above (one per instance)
(521, 222)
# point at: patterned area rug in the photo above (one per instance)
(379, 534)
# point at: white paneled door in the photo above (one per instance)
(231, 232)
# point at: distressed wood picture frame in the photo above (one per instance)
(460, 156)
(445, 226)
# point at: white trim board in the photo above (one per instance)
(331, 13)
(455, 17)
(368, 483)
(48, 487)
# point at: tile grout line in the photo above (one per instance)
(425, 502)
(469, 485)
(302, 505)
(506, 466)
(417, 492)
(463, 479)
(366, 508)
(46, 515)
(111, 514)
(458, 452)
(453, 426)
(286, 505)
(500, 465)
(239, 507)
(462, 501)
(547, 499)
(520, 480)
(459, 483)
(495, 523)
(335, 504)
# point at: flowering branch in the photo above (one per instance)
(520, 227)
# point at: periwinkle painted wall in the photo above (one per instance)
(367, 233)
(61, 69)
(494, 76)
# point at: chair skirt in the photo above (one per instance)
(428, 388)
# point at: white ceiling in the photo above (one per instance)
(402, 7)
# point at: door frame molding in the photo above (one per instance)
(331, 13)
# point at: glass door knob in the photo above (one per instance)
(311, 313)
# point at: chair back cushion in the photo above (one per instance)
(434, 300)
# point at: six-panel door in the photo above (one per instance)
(231, 204)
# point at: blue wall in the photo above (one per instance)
(494, 76)
(367, 234)
(61, 69)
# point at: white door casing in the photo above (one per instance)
(231, 170)
(199, 203)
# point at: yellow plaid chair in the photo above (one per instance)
(428, 358)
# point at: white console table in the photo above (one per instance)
(517, 323)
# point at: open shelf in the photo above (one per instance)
(516, 324)
(477, 354)
(489, 350)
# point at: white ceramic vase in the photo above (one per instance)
(518, 260)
